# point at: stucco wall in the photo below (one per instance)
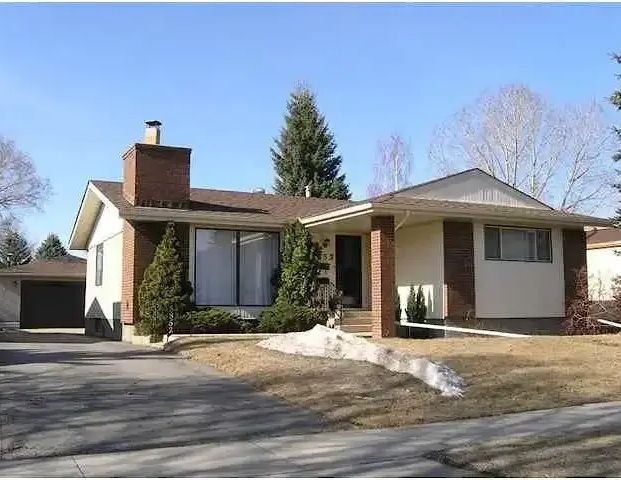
(419, 255)
(506, 289)
(100, 299)
(603, 266)
(9, 302)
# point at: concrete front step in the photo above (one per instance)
(356, 328)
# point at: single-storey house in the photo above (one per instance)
(486, 254)
(603, 261)
(43, 294)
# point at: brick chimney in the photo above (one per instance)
(156, 175)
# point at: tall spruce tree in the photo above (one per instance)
(14, 249)
(305, 153)
(50, 248)
(162, 295)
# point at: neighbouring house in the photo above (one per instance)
(603, 261)
(486, 254)
(43, 294)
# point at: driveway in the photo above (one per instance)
(66, 394)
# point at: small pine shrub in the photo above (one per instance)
(284, 318)
(416, 309)
(397, 306)
(212, 320)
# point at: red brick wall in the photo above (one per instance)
(383, 275)
(157, 176)
(574, 259)
(459, 272)
(139, 242)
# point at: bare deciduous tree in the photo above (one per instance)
(392, 167)
(20, 185)
(557, 155)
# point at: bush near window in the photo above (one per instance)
(300, 268)
(163, 295)
(283, 318)
(212, 320)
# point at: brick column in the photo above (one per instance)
(383, 276)
(459, 273)
(574, 260)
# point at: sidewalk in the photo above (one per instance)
(386, 453)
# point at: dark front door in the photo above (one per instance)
(349, 269)
(52, 304)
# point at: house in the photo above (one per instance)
(43, 294)
(486, 254)
(603, 262)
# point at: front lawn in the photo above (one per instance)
(501, 375)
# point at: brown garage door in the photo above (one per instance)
(52, 304)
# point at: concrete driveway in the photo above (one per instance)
(64, 394)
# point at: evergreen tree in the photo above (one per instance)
(300, 267)
(14, 249)
(416, 309)
(421, 307)
(305, 154)
(162, 295)
(397, 306)
(50, 248)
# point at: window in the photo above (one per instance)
(234, 267)
(99, 264)
(520, 244)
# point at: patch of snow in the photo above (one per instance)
(321, 341)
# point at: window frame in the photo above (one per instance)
(237, 264)
(500, 229)
(99, 260)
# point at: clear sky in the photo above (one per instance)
(77, 81)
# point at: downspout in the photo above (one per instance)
(400, 224)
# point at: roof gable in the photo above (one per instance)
(472, 186)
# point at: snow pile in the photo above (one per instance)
(326, 342)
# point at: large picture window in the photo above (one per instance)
(234, 267)
(518, 244)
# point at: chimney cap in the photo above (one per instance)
(153, 123)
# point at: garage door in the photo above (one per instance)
(52, 304)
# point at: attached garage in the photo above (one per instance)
(43, 294)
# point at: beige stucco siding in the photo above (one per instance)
(9, 302)
(603, 265)
(419, 255)
(506, 289)
(108, 230)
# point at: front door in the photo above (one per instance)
(349, 269)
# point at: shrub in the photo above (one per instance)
(213, 320)
(283, 318)
(300, 268)
(163, 294)
(397, 306)
(416, 310)
(583, 312)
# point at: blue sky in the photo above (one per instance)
(77, 81)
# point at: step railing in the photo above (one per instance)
(330, 299)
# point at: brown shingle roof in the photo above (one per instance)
(601, 236)
(263, 207)
(68, 267)
(484, 209)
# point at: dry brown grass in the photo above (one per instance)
(502, 376)
(583, 455)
